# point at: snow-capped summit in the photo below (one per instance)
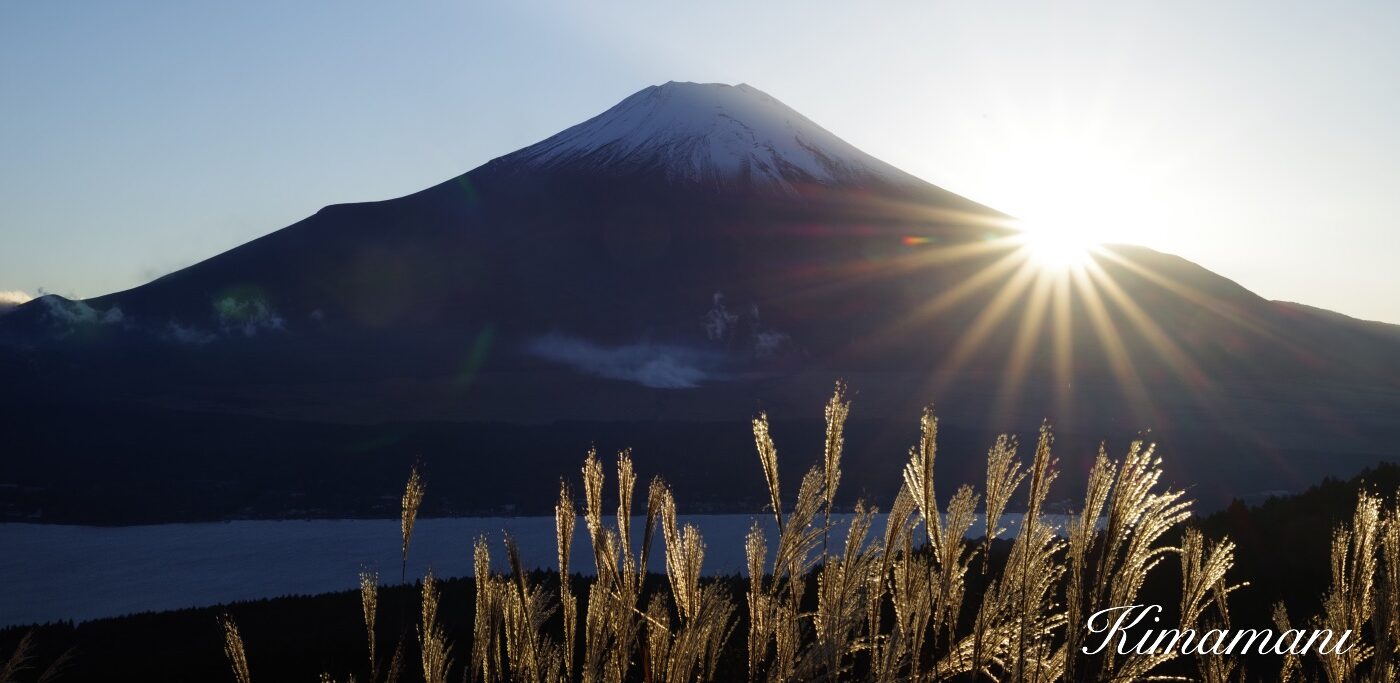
(713, 134)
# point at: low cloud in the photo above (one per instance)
(188, 335)
(68, 313)
(232, 316)
(12, 298)
(660, 366)
(736, 331)
(718, 321)
(247, 315)
(768, 342)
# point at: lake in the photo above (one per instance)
(59, 572)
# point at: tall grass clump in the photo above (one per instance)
(21, 664)
(912, 600)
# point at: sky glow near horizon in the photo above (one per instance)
(1256, 139)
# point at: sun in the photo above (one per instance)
(1074, 188)
(1065, 214)
(1061, 243)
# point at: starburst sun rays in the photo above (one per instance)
(1037, 295)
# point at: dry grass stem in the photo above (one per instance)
(234, 650)
(369, 604)
(412, 499)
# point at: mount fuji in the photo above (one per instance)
(652, 277)
(714, 135)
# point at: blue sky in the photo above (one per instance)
(1259, 139)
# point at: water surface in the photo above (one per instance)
(60, 572)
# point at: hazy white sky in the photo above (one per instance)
(1259, 139)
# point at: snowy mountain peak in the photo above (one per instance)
(712, 134)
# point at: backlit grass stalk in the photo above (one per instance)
(18, 661)
(564, 529)
(435, 651)
(412, 499)
(837, 409)
(486, 662)
(234, 650)
(369, 605)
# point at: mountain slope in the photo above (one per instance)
(697, 253)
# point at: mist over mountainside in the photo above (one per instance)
(691, 256)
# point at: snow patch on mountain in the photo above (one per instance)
(712, 134)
